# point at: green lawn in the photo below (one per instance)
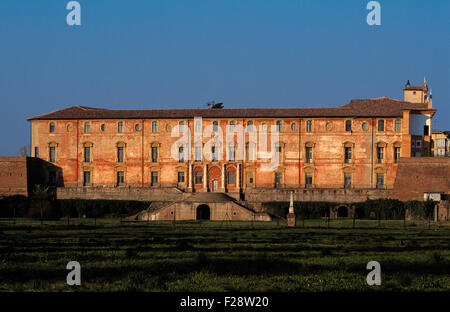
(223, 256)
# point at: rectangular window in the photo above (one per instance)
(181, 126)
(198, 177)
(309, 126)
(154, 154)
(419, 143)
(398, 125)
(120, 154)
(214, 153)
(180, 176)
(87, 178)
(231, 177)
(154, 178)
(120, 127)
(380, 125)
(52, 127)
(348, 154)
(278, 177)
(380, 180)
(308, 155)
(120, 178)
(154, 126)
(396, 154)
(52, 151)
(426, 130)
(249, 126)
(198, 153)
(278, 126)
(215, 126)
(87, 154)
(87, 127)
(308, 179)
(231, 153)
(348, 125)
(232, 126)
(380, 154)
(36, 151)
(347, 180)
(181, 154)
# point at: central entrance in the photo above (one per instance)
(214, 177)
(203, 212)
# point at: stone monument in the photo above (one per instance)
(290, 218)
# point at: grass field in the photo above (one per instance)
(219, 256)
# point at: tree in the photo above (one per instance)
(41, 194)
(23, 151)
(214, 105)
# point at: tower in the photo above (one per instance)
(416, 94)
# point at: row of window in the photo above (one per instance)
(215, 156)
(215, 126)
(231, 179)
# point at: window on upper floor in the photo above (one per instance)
(232, 126)
(215, 125)
(120, 127)
(380, 125)
(154, 154)
(309, 126)
(87, 127)
(249, 126)
(154, 126)
(52, 154)
(120, 178)
(380, 154)
(398, 125)
(348, 154)
(181, 126)
(278, 125)
(348, 125)
(52, 127)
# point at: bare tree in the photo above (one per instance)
(23, 151)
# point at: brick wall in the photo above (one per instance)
(415, 176)
(13, 176)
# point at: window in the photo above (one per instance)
(154, 126)
(231, 153)
(232, 126)
(380, 180)
(36, 151)
(198, 177)
(87, 154)
(396, 154)
(309, 154)
(120, 127)
(198, 153)
(278, 176)
(137, 127)
(120, 178)
(278, 127)
(120, 154)
(293, 126)
(347, 180)
(398, 125)
(426, 130)
(52, 152)
(348, 155)
(231, 177)
(181, 154)
(180, 176)
(52, 127)
(154, 181)
(215, 126)
(198, 126)
(154, 154)
(181, 126)
(86, 178)
(380, 125)
(380, 154)
(308, 179)
(87, 127)
(249, 126)
(419, 143)
(103, 127)
(365, 126)
(214, 153)
(348, 125)
(309, 126)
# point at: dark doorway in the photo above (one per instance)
(203, 212)
(342, 212)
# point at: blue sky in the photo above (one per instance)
(247, 53)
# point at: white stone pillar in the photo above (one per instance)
(291, 203)
(191, 174)
(205, 178)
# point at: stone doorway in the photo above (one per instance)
(203, 212)
(214, 177)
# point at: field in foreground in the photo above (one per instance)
(216, 256)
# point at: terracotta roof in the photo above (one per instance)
(380, 107)
(423, 87)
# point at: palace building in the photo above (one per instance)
(353, 146)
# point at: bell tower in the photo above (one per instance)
(415, 94)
